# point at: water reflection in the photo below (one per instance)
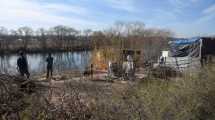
(37, 62)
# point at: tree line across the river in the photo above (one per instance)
(64, 38)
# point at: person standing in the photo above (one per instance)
(128, 68)
(49, 61)
(162, 60)
(110, 69)
(22, 65)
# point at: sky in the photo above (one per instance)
(186, 18)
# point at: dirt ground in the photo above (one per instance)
(97, 85)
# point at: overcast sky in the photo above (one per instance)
(187, 18)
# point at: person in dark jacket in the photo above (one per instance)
(22, 64)
(49, 61)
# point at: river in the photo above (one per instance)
(37, 62)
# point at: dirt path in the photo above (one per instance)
(68, 84)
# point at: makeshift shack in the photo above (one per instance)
(190, 54)
(208, 50)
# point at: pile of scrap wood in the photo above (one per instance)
(13, 90)
(9, 82)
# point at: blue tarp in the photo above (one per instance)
(185, 47)
(178, 42)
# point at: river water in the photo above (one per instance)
(37, 62)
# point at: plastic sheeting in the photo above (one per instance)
(179, 42)
(185, 47)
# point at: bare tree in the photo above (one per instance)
(87, 33)
(98, 39)
(3, 31)
(25, 34)
(3, 38)
(70, 31)
(42, 37)
(13, 32)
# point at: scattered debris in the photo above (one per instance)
(165, 72)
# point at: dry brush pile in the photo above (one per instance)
(31, 100)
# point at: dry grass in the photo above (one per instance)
(191, 97)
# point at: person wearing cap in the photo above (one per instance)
(22, 65)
